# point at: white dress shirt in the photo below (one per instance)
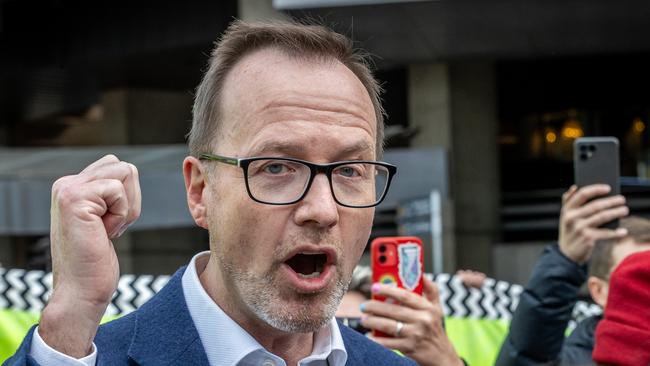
(224, 341)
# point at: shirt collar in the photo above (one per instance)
(226, 343)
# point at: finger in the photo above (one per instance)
(133, 193)
(384, 325)
(431, 292)
(107, 199)
(606, 234)
(401, 295)
(606, 216)
(116, 170)
(569, 193)
(106, 159)
(597, 206)
(585, 194)
(390, 311)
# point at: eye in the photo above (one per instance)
(347, 171)
(275, 168)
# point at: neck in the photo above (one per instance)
(291, 347)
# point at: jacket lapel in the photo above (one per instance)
(164, 331)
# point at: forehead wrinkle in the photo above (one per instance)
(290, 148)
(310, 103)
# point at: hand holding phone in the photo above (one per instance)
(410, 321)
(397, 261)
(592, 207)
(596, 161)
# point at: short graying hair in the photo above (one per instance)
(297, 40)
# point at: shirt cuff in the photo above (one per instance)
(48, 356)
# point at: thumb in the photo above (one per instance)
(431, 291)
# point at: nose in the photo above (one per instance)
(318, 206)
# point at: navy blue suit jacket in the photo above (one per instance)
(161, 332)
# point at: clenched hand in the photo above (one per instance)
(88, 210)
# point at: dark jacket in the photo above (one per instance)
(580, 344)
(161, 332)
(538, 325)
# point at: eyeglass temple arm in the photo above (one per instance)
(219, 158)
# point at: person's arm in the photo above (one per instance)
(545, 306)
(422, 336)
(88, 211)
(45, 355)
(538, 325)
(33, 351)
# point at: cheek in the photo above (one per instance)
(356, 231)
(243, 229)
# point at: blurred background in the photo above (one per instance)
(484, 101)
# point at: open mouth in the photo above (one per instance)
(308, 265)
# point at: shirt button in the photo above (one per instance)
(268, 362)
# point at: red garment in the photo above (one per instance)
(623, 336)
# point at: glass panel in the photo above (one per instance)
(277, 180)
(359, 184)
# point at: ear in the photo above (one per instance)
(598, 289)
(195, 186)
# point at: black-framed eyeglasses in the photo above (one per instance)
(284, 181)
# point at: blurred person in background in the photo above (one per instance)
(623, 335)
(284, 175)
(586, 252)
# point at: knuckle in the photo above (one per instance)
(116, 185)
(135, 212)
(60, 183)
(126, 167)
(66, 194)
(419, 333)
(134, 170)
(581, 227)
(428, 318)
(564, 211)
(409, 347)
(569, 219)
(111, 157)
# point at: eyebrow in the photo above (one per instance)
(299, 150)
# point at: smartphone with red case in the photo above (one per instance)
(397, 261)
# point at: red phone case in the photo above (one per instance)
(397, 261)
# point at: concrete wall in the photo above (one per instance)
(454, 106)
(514, 262)
(475, 165)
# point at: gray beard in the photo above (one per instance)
(260, 295)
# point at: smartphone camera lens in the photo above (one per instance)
(382, 248)
(382, 259)
(584, 156)
(592, 148)
(583, 148)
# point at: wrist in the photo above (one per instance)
(70, 326)
(573, 258)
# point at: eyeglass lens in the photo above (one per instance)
(283, 181)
